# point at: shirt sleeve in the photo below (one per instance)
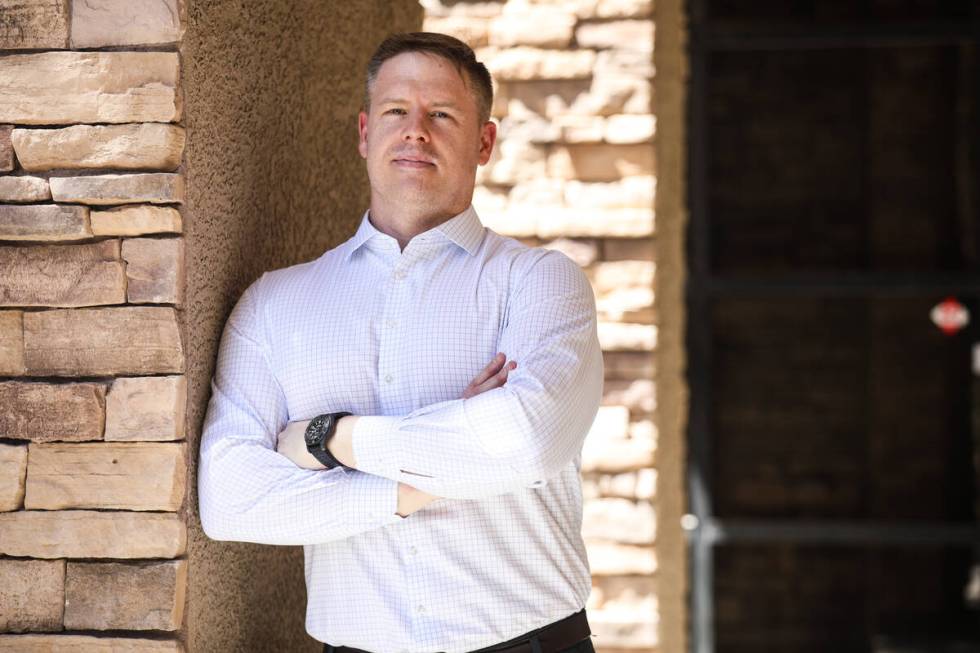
(247, 491)
(521, 434)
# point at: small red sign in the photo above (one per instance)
(950, 315)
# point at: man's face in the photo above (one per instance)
(423, 137)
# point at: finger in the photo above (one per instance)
(497, 380)
(492, 368)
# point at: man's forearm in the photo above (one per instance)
(293, 446)
(499, 442)
(341, 445)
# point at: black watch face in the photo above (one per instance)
(315, 431)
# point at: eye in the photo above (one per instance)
(439, 114)
(396, 111)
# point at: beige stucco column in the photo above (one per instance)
(271, 92)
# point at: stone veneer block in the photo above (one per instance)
(610, 559)
(608, 223)
(125, 596)
(472, 30)
(611, 447)
(136, 220)
(85, 644)
(630, 128)
(74, 275)
(525, 63)
(604, 162)
(156, 188)
(616, 34)
(553, 221)
(622, 8)
(33, 24)
(125, 476)
(44, 222)
(542, 26)
(103, 342)
(619, 520)
(90, 534)
(154, 269)
(12, 343)
(45, 412)
(67, 88)
(24, 189)
(150, 408)
(100, 23)
(637, 192)
(32, 595)
(13, 469)
(6, 149)
(143, 146)
(620, 336)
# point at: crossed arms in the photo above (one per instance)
(503, 439)
(291, 442)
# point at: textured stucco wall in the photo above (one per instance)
(672, 389)
(271, 93)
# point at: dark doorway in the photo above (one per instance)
(835, 428)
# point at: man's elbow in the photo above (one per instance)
(214, 512)
(212, 523)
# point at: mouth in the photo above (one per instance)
(413, 161)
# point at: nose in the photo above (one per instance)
(416, 128)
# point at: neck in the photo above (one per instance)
(405, 222)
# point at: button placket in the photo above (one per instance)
(392, 360)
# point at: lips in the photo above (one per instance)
(412, 160)
(411, 163)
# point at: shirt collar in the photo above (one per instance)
(463, 229)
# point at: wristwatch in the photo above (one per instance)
(318, 434)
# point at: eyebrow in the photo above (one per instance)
(443, 103)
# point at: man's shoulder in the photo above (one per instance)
(285, 283)
(531, 260)
(301, 275)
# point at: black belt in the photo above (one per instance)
(552, 638)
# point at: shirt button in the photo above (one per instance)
(390, 324)
(388, 378)
(421, 609)
(400, 274)
(413, 550)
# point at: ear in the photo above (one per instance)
(362, 120)
(488, 136)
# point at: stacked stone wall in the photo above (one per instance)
(575, 170)
(93, 462)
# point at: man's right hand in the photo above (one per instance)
(492, 376)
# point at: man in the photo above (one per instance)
(438, 496)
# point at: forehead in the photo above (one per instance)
(420, 71)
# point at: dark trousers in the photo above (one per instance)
(568, 635)
(585, 646)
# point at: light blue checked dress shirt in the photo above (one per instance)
(396, 336)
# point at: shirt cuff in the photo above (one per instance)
(371, 500)
(375, 450)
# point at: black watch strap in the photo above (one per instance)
(319, 432)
